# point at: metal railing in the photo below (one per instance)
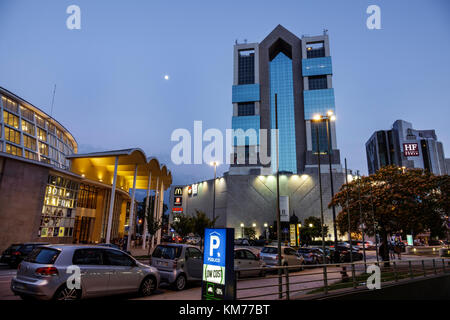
(325, 279)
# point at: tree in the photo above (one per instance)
(250, 233)
(153, 225)
(183, 225)
(311, 229)
(200, 222)
(394, 200)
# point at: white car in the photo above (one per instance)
(246, 259)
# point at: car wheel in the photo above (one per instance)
(66, 294)
(180, 282)
(148, 286)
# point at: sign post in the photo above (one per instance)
(218, 281)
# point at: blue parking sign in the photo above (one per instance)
(218, 281)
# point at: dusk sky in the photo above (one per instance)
(111, 92)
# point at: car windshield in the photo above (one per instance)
(167, 252)
(271, 250)
(43, 256)
(13, 247)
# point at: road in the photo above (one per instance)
(300, 281)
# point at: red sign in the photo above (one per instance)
(177, 201)
(177, 209)
(411, 149)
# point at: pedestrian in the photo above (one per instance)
(398, 249)
(391, 251)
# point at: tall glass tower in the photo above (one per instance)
(299, 72)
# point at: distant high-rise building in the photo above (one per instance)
(405, 147)
(299, 72)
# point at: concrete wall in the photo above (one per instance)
(22, 189)
(251, 199)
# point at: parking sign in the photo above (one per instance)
(218, 265)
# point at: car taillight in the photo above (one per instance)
(47, 271)
(16, 253)
(18, 267)
(258, 255)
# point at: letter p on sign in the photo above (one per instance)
(214, 243)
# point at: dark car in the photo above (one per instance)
(15, 253)
(313, 255)
(344, 254)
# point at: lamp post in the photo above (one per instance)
(267, 230)
(362, 225)
(215, 164)
(242, 230)
(328, 118)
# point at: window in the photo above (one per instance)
(43, 148)
(167, 252)
(246, 67)
(88, 257)
(10, 105)
(30, 155)
(246, 109)
(249, 255)
(27, 114)
(87, 197)
(117, 258)
(11, 119)
(323, 139)
(193, 253)
(29, 142)
(43, 256)
(40, 122)
(51, 128)
(315, 50)
(28, 127)
(12, 135)
(42, 135)
(317, 82)
(13, 150)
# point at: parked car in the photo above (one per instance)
(178, 264)
(104, 271)
(312, 255)
(15, 253)
(344, 254)
(241, 242)
(289, 257)
(112, 245)
(193, 240)
(260, 242)
(246, 259)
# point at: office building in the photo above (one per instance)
(405, 146)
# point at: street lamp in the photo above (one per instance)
(310, 225)
(328, 118)
(267, 230)
(242, 230)
(215, 164)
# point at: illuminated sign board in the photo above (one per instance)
(178, 201)
(178, 191)
(218, 265)
(194, 189)
(284, 208)
(189, 190)
(411, 149)
(177, 209)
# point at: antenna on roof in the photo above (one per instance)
(325, 31)
(236, 41)
(53, 101)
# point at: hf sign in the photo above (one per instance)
(218, 265)
(411, 149)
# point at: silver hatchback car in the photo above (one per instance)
(178, 264)
(44, 274)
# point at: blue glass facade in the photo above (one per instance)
(245, 123)
(318, 101)
(281, 83)
(316, 66)
(245, 93)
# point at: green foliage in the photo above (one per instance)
(249, 233)
(183, 226)
(308, 233)
(395, 200)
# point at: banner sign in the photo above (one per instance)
(284, 208)
(292, 234)
(218, 265)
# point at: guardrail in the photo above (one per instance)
(286, 283)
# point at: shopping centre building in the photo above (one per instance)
(50, 193)
(285, 79)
